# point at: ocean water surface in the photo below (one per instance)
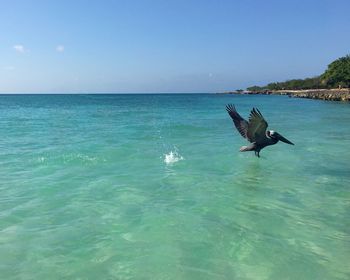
(154, 187)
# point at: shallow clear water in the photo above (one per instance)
(153, 187)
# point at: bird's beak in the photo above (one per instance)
(281, 138)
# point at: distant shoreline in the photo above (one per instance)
(322, 94)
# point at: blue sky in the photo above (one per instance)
(166, 45)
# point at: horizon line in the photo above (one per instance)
(111, 93)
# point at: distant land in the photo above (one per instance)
(333, 84)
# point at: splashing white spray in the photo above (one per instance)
(172, 157)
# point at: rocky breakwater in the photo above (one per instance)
(323, 94)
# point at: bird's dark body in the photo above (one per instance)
(257, 147)
(254, 130)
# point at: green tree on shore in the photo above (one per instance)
(336, 75)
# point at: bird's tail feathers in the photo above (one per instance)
(246, 148)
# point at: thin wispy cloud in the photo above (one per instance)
(19, 48)
(60, 48)
(9, 68)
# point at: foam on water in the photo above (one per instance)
(172, 157)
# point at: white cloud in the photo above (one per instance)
(19, 48)
(9, 68)
(60, 48)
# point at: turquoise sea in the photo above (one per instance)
(154, 187)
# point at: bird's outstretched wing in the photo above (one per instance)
(240, 123)
(257, 126)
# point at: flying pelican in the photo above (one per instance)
(254, 130)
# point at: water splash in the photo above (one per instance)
(172, 157)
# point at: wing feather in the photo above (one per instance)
(257, 126)
(240, 123)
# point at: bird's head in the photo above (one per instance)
(270, 133)
(276, 136)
